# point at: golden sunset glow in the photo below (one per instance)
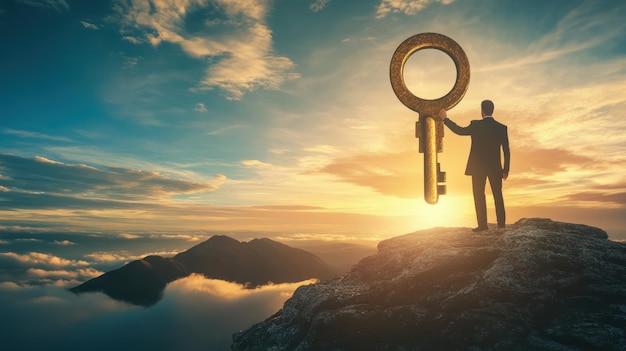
(240, 131)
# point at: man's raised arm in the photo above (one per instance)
(455, 128)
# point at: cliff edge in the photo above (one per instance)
(536, 285)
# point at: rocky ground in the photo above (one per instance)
(536, 285)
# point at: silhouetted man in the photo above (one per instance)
(484, 161)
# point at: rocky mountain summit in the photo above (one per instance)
(536, 285)
(253, 263)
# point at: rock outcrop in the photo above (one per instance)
(536, 285)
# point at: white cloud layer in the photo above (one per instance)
(40, 259)
(195, 313)
(125, 256)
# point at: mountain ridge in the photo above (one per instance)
(254, 263)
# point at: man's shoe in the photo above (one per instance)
(480, 229)
(501, 225)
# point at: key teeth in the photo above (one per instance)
(418, 135)
(441, 189)
(418, 129)
(441, 177)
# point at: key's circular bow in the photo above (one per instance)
(429, 41)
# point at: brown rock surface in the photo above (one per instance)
(536, 285)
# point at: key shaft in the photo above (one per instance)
(431, 143)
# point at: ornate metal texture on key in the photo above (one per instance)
(429, 128)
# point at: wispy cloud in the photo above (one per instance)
(409, 7)
(225, 129)
(57, 5)
(576, 34)
(41, 176)
(200, 107)
(239, 42)
(389, 173)
(278, 151)
(537, 57)
(93, 155)
(544, 161)
(128, 236)
(186, 237)
(64, 242)
(618, 198)
(89, 134)
(256, 164)
(32, 240)
(323, 149)
(586, 23)
(318, 5)
(89, 25)
(35, 135)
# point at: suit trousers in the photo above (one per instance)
(478, 187)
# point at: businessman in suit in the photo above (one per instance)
(488, 137)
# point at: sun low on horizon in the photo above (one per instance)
(276, 116)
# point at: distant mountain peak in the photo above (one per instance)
(536, 285)
(258, 262)
(216, 241)
(222, 239)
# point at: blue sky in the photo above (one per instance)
(278, 115)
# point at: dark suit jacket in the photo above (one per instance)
(488, 136)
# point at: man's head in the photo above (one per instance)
(487, 108)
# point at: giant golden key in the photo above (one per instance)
(429, 128)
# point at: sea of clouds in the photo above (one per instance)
(195, 314)
(39, 313)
